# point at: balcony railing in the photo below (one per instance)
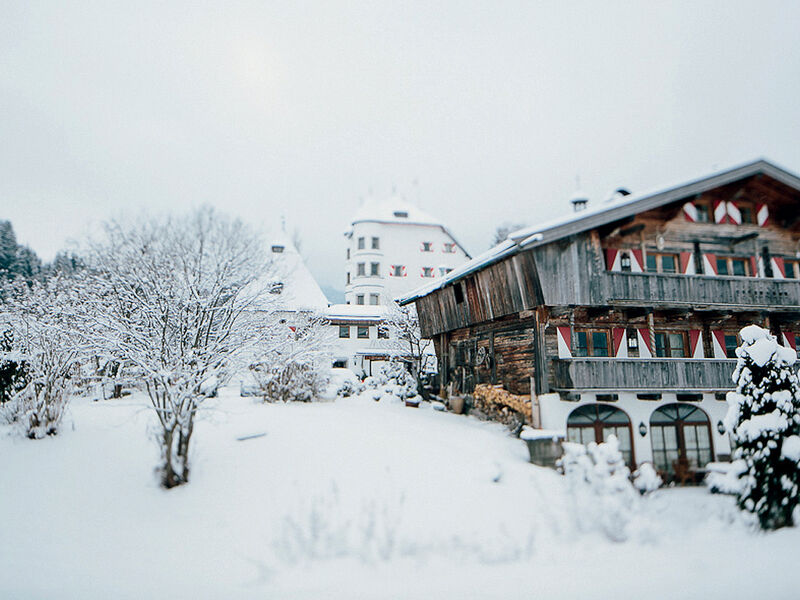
(643, 374)
(699, 290)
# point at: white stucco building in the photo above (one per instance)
(394, 247)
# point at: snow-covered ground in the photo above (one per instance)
(352, 499)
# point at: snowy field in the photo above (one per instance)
(352, 499)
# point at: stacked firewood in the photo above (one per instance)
(500, 405)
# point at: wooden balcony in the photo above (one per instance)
(642, 374)
(697, 291)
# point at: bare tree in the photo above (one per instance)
(168, 298)
(403, 324)
(503, 231)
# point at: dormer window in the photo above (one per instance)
(401, 214)
(277, 248)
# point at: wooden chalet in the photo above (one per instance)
(624, 318)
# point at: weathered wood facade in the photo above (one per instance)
(645, 296)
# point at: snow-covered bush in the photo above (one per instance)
(764, 423)
(349, 388)
(397, 381)
(293, 361)
(645, 479)
(599, 485)
(292, 381)
(14, 370)
(44, 320)
(726, 478)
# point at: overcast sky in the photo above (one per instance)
(303, 108)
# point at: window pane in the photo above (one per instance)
(599, 343)
(722, 266)
(651, 263)
(739, 268)
(661, 345)
(582, 347)
(676, 345)
(344, 331)
(730, 346)
(668, 264)
(363, 332)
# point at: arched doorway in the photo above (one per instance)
(595, 422)
(681, 437)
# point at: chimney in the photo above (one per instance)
(579, 201)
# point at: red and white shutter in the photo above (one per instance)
(690, 212)
(789, 340)
(613, 257)
(762, 214)
(696, 343)
(403, 271)
(620, 343)
(637, 264)
(564, 336)
(645, 346)
(720, 211)
(710, 264)
(687, 264)
(778, 267)
(734, 214)
(754, 271)
(718, 341)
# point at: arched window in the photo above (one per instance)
(680, 433)
(595, 422)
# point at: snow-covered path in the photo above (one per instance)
(353, 499)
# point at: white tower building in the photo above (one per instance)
(394, 247)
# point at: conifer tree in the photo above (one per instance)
(764, 422)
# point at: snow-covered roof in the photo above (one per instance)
(393, 210)
(294, 287)
(601, 214)
(397, 210)
(355, 312)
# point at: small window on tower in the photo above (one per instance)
(374, 299)
(361, 243)
(360, 299)
(401, 214)
(376, 243)
(361, 269)
(374, 269)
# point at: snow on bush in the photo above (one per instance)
(396, 381)
(764, 423)
(645, 479)
(293, 362)
(600, 488)
(726, 478)
(43, 320)
(14, 370)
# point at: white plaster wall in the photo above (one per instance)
(400, 244)
(554, 412)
